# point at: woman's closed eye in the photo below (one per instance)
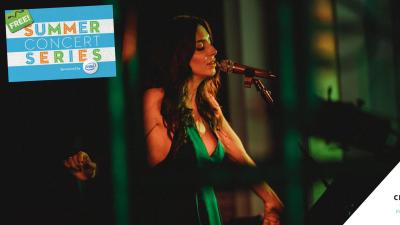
(201, 43)
(200, 46)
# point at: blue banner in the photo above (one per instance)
(61, 43)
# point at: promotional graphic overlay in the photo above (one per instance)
(383, 205)
(60, 43)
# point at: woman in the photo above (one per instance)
(186, 130)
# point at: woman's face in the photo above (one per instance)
(203, 61)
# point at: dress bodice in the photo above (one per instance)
(182, 179)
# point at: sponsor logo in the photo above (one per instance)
(90, 66)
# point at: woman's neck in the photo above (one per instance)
(192, 86)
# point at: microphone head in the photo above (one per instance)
(226, 65)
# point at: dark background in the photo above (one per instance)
(44, 122)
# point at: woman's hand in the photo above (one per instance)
(214, 103)
(272, 210)
(81, 166)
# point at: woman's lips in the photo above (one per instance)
(213, 63)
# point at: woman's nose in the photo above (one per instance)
(212, 51)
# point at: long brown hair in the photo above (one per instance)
(175, 71)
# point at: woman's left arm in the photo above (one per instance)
(234, 149)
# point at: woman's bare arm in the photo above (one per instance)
(236, 152)
(158, 142)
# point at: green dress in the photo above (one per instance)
(180, 198)
(206, 193)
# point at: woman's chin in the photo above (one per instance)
(207, 75)
(212, 72)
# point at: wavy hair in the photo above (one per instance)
(178, 49)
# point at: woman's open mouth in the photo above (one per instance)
(212, 63)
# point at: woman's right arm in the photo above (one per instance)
(157, 140)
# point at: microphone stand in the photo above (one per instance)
(266, 95)
(249, 80)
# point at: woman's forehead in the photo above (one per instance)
(201, 33)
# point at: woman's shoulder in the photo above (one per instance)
(153, 94)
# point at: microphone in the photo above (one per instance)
(228, 66)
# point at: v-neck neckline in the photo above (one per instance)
(204, 145)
